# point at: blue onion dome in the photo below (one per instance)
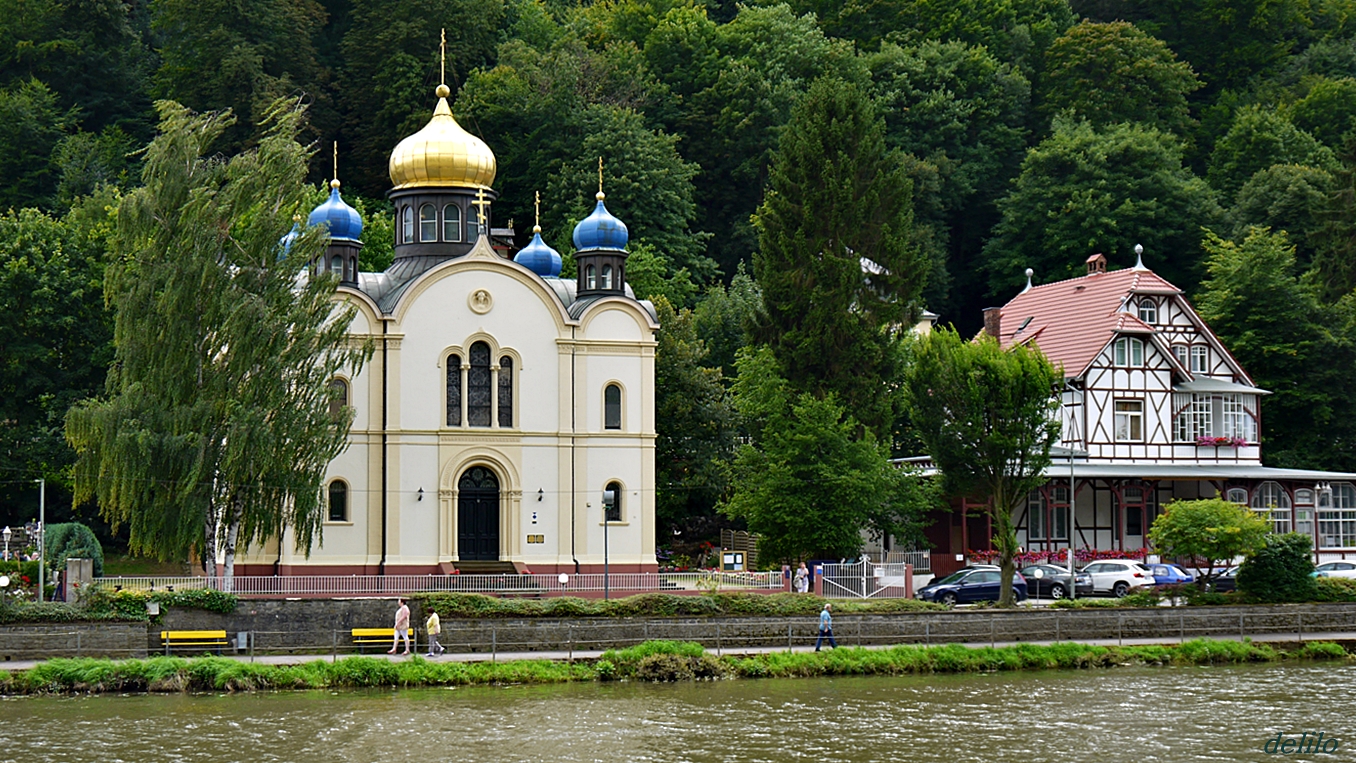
(600, 230)
(538, 257)
(343, 220)
(285, 243)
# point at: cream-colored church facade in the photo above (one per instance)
(505, 413)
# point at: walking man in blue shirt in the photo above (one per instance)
(825, 628)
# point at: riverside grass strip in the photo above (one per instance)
(650, 661)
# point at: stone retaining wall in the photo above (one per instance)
(323, 625)
(28, 642)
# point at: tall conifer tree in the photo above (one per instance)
(837, 264)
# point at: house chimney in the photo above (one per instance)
(1096, 263)
(993, 322)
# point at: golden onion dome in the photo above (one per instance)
(442, 154)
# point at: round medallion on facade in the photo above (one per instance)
(480, 301)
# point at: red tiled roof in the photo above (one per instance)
(1071, 321)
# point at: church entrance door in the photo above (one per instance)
(478, 515)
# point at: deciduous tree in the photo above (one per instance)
(1212, 531)
(1085, 190)
(215, 428)
(985, 415)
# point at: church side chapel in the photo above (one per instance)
(506, 419)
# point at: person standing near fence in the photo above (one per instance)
(802, 579)
(825, 628)
(402, 627)
(433, 627)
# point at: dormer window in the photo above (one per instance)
(1180, 352)
(1200, 359)
(1129, 352)
(1148, 311)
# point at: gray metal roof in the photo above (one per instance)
(1151, 471)
(1207, 384)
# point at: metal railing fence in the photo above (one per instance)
(512, 584)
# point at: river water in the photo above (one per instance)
(1132, 715)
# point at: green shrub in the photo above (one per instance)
(1281, 570)
(73, 540)
(606, 670)
(479, 606)
(1144, 597)
(1334, 589)
(1321, 650)
(209, 599)
(1084, 603)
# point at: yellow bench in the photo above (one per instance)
(372, 636)
(196, 639)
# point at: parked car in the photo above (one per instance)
(1118, 576)
(1225, 581)
(1053, 581)
(970, 584)
(1336, 570)
(1169, 574)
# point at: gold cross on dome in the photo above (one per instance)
(442, 58)
(536, 210)
(600, 174)
(480, 203)
(336, 160)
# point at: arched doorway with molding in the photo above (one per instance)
(478, 515)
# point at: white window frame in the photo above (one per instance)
(1129, 421)
(1272, 503)
(1148, 310)
(1200, 359)
(1337, 517)
(1128, 352)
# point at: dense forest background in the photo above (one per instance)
(1030, 133)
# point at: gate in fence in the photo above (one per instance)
(867, 580)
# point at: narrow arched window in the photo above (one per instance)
(407, 229)
(454, 390)
(612, 500)
(338, 501)
(478, 386)
(612, 409)
(452, 223)
(607, 277)
(506, 391)
(338, 396)
(592, 279)
(337, 265)
(428, 223)
(1148, 311)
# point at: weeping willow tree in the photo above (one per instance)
(216, 426)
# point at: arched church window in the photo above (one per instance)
(337, 265)
(454, 390)
(338, 501)
(428, 223)
(506, 391)
(407, 228)
(612, 409)
(612, 501)
(591, 281)
(607, 277)
(338, 396)
(478, 386)
(452, 223)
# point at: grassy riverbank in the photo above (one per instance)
(651, 661)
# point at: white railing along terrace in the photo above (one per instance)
(392, 585)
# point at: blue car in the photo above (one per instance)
(1169, 574)
(970, 584)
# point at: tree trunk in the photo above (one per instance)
(1005, 537)
(232, 534)
(209, 541)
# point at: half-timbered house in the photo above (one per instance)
(1154, 408)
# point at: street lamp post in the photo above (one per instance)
(7, 533)
(42, 532)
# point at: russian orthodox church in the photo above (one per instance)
(506, 419)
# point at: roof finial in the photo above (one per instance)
(443, 91)
(1139, 257)
(536, 212)
(1029, 273)
(480, 203)
(334, 182)
(601, 195)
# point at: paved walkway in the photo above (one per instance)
(297, 659)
